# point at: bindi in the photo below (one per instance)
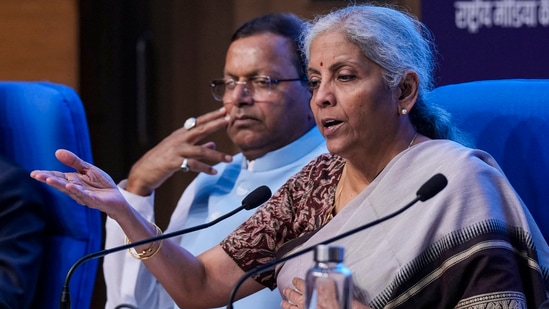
(321, 63)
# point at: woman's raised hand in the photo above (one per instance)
(88, 185)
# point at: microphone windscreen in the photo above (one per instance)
(433, 186)
(256, 197)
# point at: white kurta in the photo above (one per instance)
(206, 198)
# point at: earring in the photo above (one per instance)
(404, 111)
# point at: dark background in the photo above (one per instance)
(492, 52)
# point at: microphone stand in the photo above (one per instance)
(249, 202)
(268, 266)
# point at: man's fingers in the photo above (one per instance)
(205, 125)
(216, 114)
(205, 156)
(209, 145)
(201, 167)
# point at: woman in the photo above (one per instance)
(369, 68)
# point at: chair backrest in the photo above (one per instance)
(509, 119)
(37, 118)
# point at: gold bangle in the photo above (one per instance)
(150, 251)
(142, 257)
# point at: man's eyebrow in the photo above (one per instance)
(248, 76)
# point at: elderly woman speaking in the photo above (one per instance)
(474, 245)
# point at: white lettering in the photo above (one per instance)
(475, 14)
(544, 13)
(528, 13)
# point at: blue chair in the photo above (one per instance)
(37, 118)
(508, 118)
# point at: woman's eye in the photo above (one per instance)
(313, 84)
(345, 77)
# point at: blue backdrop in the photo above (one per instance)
(489, 39)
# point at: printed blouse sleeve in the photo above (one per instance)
(290, 212)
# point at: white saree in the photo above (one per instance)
(473, 245)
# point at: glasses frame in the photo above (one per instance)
(230, 84)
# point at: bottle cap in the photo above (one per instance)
(324, 253)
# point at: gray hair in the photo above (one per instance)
(394, 40)
(397, 42)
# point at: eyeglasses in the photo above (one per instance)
(257, 87)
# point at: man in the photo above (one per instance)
(266, 114)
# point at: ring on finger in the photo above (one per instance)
(185, 165)
(190, 123)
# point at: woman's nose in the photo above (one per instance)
(323, 96)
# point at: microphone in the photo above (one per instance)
(430, 188)
(255, 198)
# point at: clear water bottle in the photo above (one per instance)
(328, 283)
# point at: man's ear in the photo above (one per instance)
(408, 90)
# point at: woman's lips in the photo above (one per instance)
(329, 126)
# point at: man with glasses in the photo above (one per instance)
(266, 114)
